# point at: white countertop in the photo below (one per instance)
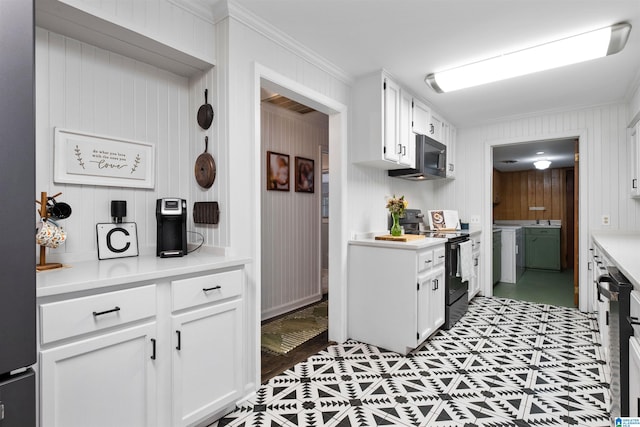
(622, 248)
(412, 245)
(87, 275)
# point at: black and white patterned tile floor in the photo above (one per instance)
(505, 363)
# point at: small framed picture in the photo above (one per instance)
(277, 171)
(305, 174)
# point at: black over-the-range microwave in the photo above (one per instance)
(431, 161)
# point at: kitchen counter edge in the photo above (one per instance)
(622, 248)
(90, 275)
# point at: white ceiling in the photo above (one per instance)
(411, 38)
(559, 152)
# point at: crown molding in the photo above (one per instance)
(246, 17)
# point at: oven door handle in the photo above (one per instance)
(611, 296)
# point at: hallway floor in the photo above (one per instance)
(544, 287)
(505, 363)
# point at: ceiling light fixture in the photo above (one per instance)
(542, 164)
(571, 50)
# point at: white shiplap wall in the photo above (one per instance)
(81, 87)
(290, 220)
(604, 128)
(603, 171)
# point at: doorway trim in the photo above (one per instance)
(338, 235)
(583, 212)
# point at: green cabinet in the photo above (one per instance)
(542, 248)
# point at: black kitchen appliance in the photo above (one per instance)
(431, 161)
(17, 213)
(456, 293)
(171, 217)
(615, 287)
(410, 221)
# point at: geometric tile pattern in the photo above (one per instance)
(505, 363)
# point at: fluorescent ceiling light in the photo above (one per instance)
(571, 50)
(542, 164)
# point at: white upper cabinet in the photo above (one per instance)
(382, 123)
(386, 119)
(421, 118)
(436, 128)
(407, 139)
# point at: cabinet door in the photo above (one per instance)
(634, 377)
(392, 146)
(474, 282)
(108, 380)
(543, 250)
(430, 303)
(421, 118)
(435, 128)
(407, 138)
(207, 370)
(437, 299)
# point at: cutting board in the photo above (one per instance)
(403, 238)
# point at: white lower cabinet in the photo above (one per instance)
(108, 380)
(430, 303)
(162, 355)
(634, 377)
(206, 361)
(395, 295)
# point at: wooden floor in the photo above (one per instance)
(275, 364)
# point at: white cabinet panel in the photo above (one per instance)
(391, 121)
(109, 380)
(421, 118)
(634, 377)
(207, 374)
(396, 298)
(77, 316)
(205, 289)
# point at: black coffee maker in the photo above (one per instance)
(171, 216)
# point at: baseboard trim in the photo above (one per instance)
(290, 306)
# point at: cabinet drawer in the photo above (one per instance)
(205, 289)
(425, 260)
(438, 256)
(65, 319)
(542, 231)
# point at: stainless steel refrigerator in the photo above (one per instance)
(17, 215)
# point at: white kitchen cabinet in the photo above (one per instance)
(634, 161)
(395, 294)
(430, 301)
(206, 361)
(407, 138)
(474, 281)
(421, 117)
(382, 118)
(634, 377)
(106, 380)
(436, 130)
(163, 355)
(451, 151)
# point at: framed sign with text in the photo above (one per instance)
(84, 158)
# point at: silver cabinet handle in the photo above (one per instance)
(1, 411)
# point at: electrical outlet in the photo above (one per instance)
(475, 219)
(606, 220)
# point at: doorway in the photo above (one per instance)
(534, 221)
(294, 236)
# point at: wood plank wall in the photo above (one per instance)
(521, 190)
